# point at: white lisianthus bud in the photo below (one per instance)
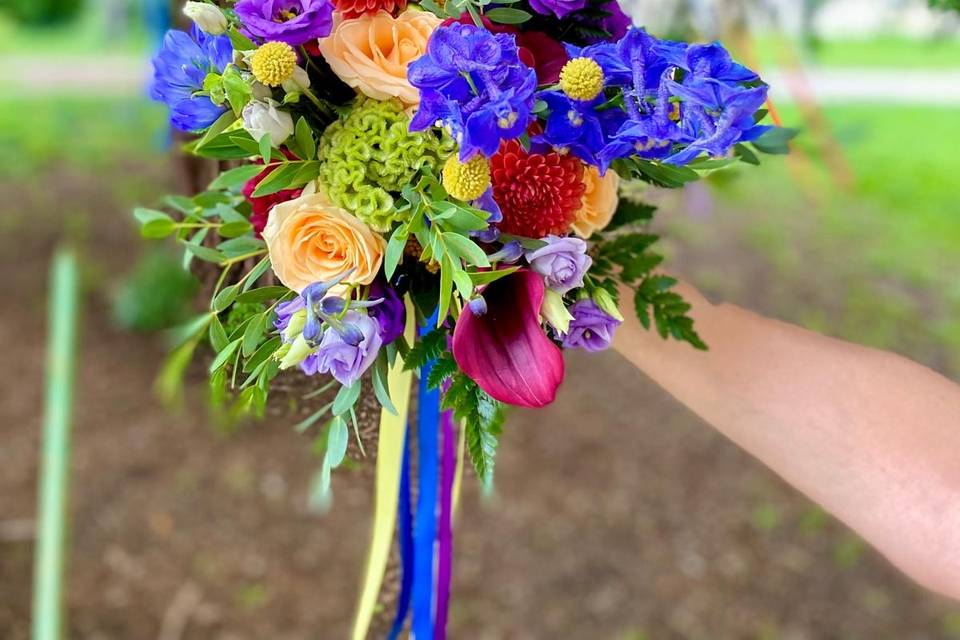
(605, 301)
(206, 16)
(262, 116)
(555, 312)
(300, 81)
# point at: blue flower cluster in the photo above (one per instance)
(179, 69)
(678, 101)
(473, 83)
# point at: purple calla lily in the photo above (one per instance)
(505, 350)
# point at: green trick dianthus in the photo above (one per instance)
(368, 156)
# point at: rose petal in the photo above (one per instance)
(505, 351)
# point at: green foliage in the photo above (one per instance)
(949, 5)
(623, 254)
(158, 294)
(429, 347)
(44, 12)
(481, 417)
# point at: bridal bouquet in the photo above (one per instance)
(434, 188)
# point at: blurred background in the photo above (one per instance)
(617, 513)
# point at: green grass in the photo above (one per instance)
(876, 263)
(880, 51)
(92, 134)
(85, 36)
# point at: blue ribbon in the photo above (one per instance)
(405, 535)
(425, 525)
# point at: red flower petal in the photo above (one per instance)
(505, 351)
(538, 193)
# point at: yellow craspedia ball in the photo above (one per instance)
(466, 180)
(273, 63)
(581, 79)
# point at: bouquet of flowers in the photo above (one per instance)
(433, 188)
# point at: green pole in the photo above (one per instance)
(50, 556)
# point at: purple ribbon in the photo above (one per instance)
(448, 468)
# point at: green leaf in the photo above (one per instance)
(337, 439)
(236, 247)
(429, 347)
(263, 294)
(154, 224)
(394, 253)
(346, 398)
(281, 177)
(665, 175)
(235, 229)
(629, 213)
(265, 147)
(465, 248)
(204, 253)
(446, 289)
(169, 382)
(239, 92)
(305, 140)
(225, 298)
(441, 370)
(505, 15)
(481, 278)
(218, 127)
(381, 387)
(236, 177)
(265, 350)
(218, 335)
(254, 334)
(255, 273)
(746, 155)
(482, 418)
(224, 355)
(240, 42)
(776, 141)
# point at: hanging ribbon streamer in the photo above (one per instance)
(425, 522)
(405, 535)
(448, 472)
(389, 463)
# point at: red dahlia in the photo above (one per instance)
(356, 8)
(539, 194)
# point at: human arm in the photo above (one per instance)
(871, 436)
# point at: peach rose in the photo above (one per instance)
(311, 240)
(600, 201)
(371, 53)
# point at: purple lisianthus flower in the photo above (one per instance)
(559, 8)
(562, 262)
(591, 329)
(341, 358)
(179, 69)
(295, 22)
(616, 22)
(390, 314)
(473, 83)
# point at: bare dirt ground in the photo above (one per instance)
(617, 515)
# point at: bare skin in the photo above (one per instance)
(872, 437)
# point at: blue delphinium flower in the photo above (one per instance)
(180, 67)
(473, 83)
(718, 117)
(579, 126)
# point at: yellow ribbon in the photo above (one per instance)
(389, 460)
